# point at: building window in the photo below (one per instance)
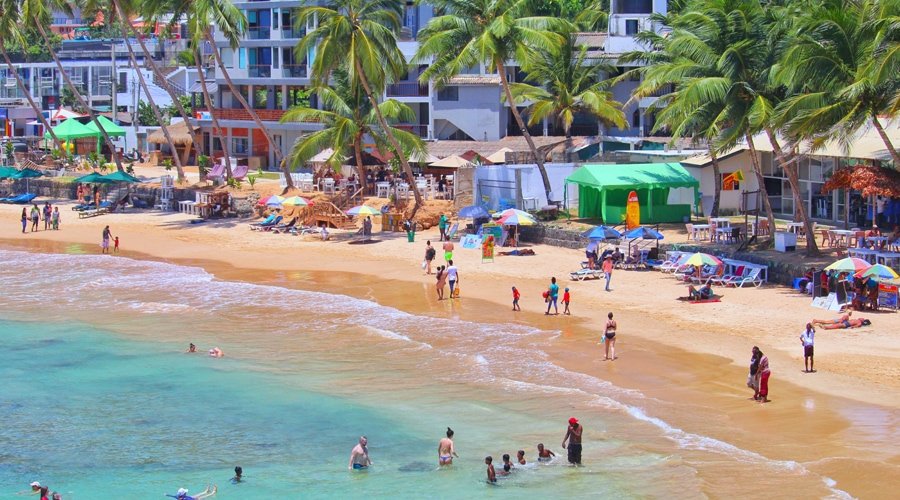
(123, 82)
(448, 94)
(636, 119)
(631, 26)
(239, 145)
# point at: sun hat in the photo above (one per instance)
(573, 421)
(35, 484)
(181, 492)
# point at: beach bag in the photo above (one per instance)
(456, 292)
(423, 264)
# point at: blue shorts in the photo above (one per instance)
(359, 466)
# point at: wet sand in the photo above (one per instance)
(689, 360)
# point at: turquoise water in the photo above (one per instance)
(99, 397)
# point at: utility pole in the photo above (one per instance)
(114, 81)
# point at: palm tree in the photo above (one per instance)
(362, 35)
(9, 30)
(829, 68)
(568, 87)
(347, 118)
(35, 14)
(885, 66)
(495, 32)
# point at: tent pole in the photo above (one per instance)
(603, 205)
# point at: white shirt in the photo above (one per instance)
(807, 337)
(880, 202)
(451, 273)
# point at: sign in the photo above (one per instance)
(829, 303)
(887, 295)
(632, 211)
(731, 182)
(494, 230)
(487, 249)
(471, 241)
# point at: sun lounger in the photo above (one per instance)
(727, 278)
(303, 230)
(84, 214)
(22, 199)
(266, 226)
(267, 221)
(584, 274)
(285, 228)
(670, 266)
(752, 278)
(279, 227)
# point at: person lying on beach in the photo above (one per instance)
(446, 451)
(544, 455)
(520, 455)
(491, 475)
(182, 494)
(843, 320)
(853, 323)
(702, 293)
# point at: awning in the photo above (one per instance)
(211, 86)
(71, 129)
(111, 128)
(641, 175)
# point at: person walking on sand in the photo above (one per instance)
(610, 334)
(552, 296)
(752, 379)
(359, 456)
(807, 338)
(607, 270)
(763, 374)
(48, 211)
(442, 226)
(24, 219)
(104, 245)
(441, 282)
(448, 251)
(430, 252)
(452, 277)
(516, 295)
(35, 217)
(573, 439)
(566, 299)
(446, 450)
(54, 219)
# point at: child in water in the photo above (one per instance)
(544, 455)
(491, 475)
(516, 295)
(507, 465)
(566, 299)
(116, 244)
(521, 456)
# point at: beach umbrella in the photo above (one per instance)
(878, 271)
(93, 178)
(602, 233)
(26, 173)
(296, 201)
(7, 172)
(452, 161)
(363, 210)
(702, 259)
(120, 176)
(473, 212)
(644, 233)
(111, 128)
(274, 201)
(849, 265)
(518, 218)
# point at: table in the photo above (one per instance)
(721, 221)
(795, 227)
(698, 228)
(843, 234)
(876, 239)
(865, 254)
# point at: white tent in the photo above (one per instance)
(452, 161)
(499, 156)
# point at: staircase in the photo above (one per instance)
(328, 214)
(346, 200)
(166, 72)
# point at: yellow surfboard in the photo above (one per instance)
(632, 211)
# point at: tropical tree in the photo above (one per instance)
(360, 35)
(568, 86)
(348, 118)
(885, 65)
(829, 68)
(10, 30)
(494, 32)
(36, 14)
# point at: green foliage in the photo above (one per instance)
(94, 159)
(185, 58)
(67, 98)
(9, 151)
(203, 163)
(251, 179)
(34, 48)
(234, 183)
(145, 114)
(167, 164)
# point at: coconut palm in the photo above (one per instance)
(494, 32)
(885, 65)
(568, 86)
(348, 118)
(10, 30)
(828, 67)
(36, 14)
(360, 35)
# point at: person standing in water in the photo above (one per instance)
(452, 277)
(107, 235)
(544, 455)
(552, 296)
(763, 375)
(573, 439)
(491, 475)
(359, 456)
(610, 334)
(446, 450)
(441, 282)
(238, 473)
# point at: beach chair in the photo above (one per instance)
(452, 232)
(726, 278)
(284, 228)
(217, 172)
(669, 266)
(584, 274)
(240, 172)
(752, 278)
(267, 221)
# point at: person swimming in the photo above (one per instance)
(191, 348)
(446, 451)
(520, 456)
(215, 352)
(238, 472)
(507, 465)
(544, 455)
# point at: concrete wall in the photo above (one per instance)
(729, 200)
(477, 112)
(528, 182)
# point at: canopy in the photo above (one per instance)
(363, 210)
(61, 114)
(71, 129)
(274, 201)
(179, 132)
(878, 271)
(644, 233)
(513, 217)
(26, 173)
(111, 128)
(702, 259)
(452, 161)
(499, 156)
(119, 176)
(603, 191)
(6, 172)
(93, 178)
(849, 265)
(296, 201)
(602, 233)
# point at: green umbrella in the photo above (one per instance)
(111, 128)
(119, 176)
(26, 173)
(93, 178)
(7, 172)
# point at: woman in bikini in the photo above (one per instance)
(441, 282)
(610, 334)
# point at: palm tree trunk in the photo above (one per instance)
(404, 164)
(209, 107)
(757, 169)
(790, 166)
(887, 141)
(360, 168)
(195, 137)
(34, 106)
(279, 158)
(178, 166)
(717, 184)
(78, 96)
(501, 69)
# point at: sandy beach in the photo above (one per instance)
(689, 360)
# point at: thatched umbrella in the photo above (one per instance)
(181, 136)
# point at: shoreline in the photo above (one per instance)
(709, 379)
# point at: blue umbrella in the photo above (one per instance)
(473, 212)
(644, 233)
(602, 233)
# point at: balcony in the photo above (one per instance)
(259, 33)
(259, 71)
(293, 71)
(420, 130)
(266, 115)
(289, 33)
(407, 89)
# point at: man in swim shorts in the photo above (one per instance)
(853, 323)
(359, 456)
(446, 451)
(448, 251)
(844, 320)
(573, 437)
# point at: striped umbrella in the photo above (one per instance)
(849, 265)
(363, 210)
(879, 271)
(513, 217)
(296, 201)
(703, 259)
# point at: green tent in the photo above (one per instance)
(603, 191)
(111, 128)
(70, 130)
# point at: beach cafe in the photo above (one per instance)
(666, 191)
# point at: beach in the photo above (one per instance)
(676, 393)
